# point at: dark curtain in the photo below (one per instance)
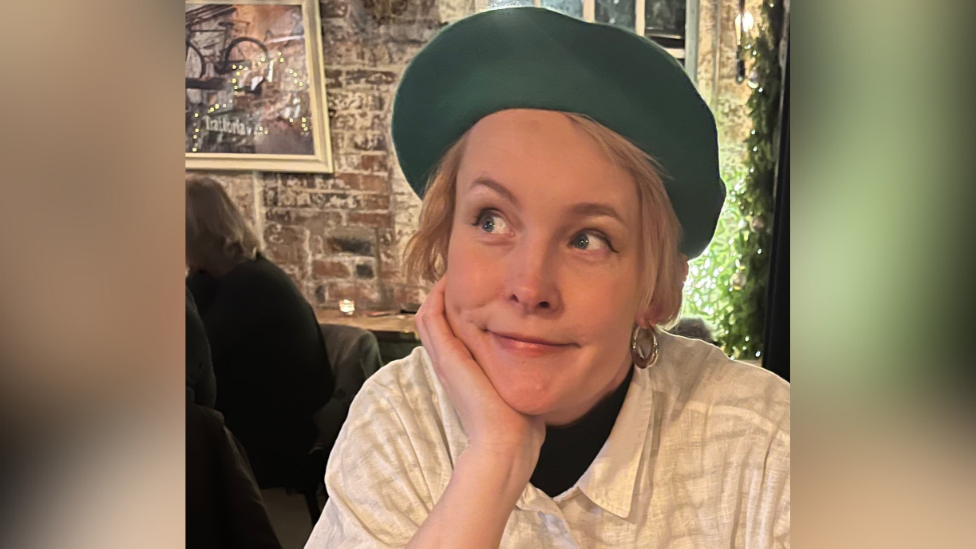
(776, 355)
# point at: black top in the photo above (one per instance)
(270, 362)
(568, 451)
(223, 502)
(201, 386)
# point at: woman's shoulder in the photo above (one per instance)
(405, 390)
(258, 269)
(403, 379)
(400, 416)
(699, 375)
(261, 280)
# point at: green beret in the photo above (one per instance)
(535, 58)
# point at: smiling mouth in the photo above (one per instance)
(527, 345)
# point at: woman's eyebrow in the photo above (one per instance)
(593, 209)
(497, 187)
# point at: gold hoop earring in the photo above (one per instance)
(643, 347)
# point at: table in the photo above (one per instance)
(396, 333)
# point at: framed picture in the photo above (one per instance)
(255, 86)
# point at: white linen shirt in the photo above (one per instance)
(699, 457)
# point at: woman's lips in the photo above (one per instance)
(527, 346)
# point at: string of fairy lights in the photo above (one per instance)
(727, 285)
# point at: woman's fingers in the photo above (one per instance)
(485, 416)
(435, 322)
(452, 360)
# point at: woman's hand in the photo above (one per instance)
(494, 428)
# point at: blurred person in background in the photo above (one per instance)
(224, 508)
(201, 386)
(269, 359)
(693, 328)
(568, 171)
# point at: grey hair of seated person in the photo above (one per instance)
(218, 238)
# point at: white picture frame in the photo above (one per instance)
(255, 87)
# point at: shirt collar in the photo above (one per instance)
(610, 480)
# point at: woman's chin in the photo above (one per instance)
(531, 399)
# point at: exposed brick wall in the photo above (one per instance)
(341, 235)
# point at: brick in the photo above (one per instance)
(376, 121)
(390, 276)
(387, 238)
(369, 219)
(333, 201)
(356, 100)
(333, 80)
(285, 245)
(316, 245)
(375, 163)
(418, 32)
(389, 261)
(334, 8)
(336, 31)
(351, 245)
(344, 121)
(370, 77)
(294, 272)
(343, 54)
(347, 163)
(287, 197)
(368, 142)
(340, 141)
(365, 270)
(373, 201)
(359, 121)
(330, 269)
(315, 221)
(306, 180)
(371, 121)
(396, 53)
(270, 197)
(362, 182)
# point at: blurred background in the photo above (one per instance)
(92, 386)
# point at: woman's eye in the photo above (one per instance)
(493, 223)
(590, 242)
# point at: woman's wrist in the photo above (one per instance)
(506, 468)
(478, 502)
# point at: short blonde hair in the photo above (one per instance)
(217, 236)
(660, 260)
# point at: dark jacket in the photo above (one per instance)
(201, 386)
(223, 503)
(270, 362)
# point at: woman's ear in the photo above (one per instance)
(644, 316)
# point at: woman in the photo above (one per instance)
(545, 409)
(268, 356)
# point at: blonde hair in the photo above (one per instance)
(660, 260)
(217, 236)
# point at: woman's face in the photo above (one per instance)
(543, 262)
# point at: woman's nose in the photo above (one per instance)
(532, 284)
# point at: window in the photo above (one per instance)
(663, 21)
